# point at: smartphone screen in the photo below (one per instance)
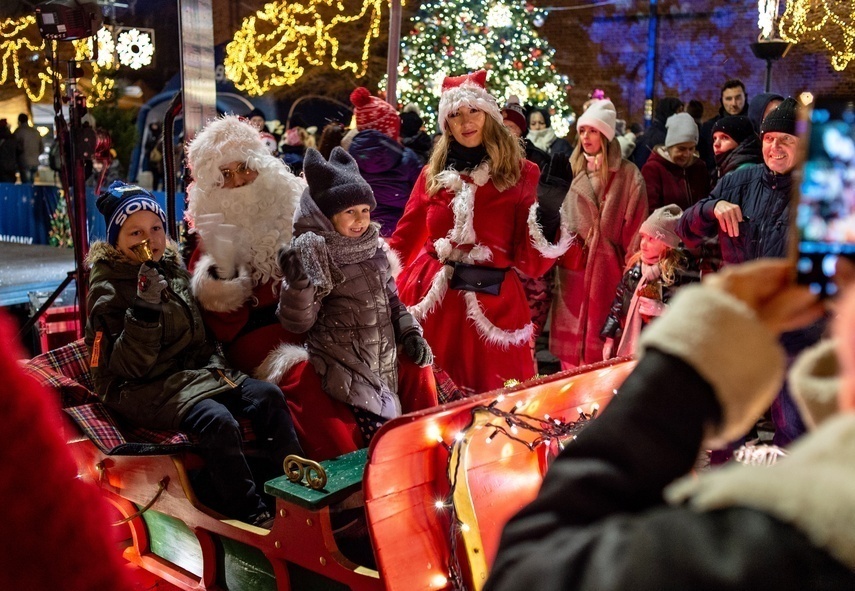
(825, 216)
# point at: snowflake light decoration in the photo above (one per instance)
(134, 49)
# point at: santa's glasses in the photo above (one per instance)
(231, 175)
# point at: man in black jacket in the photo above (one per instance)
(749, 210)
(606, 518)
(734, 101)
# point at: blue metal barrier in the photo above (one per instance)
(26, 210)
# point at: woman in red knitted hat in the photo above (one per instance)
(388, 167)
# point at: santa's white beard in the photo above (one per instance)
(263, 213)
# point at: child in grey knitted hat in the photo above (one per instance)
(339, 288)
(651, 277)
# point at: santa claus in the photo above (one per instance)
(241, 204)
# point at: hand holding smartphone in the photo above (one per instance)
(824, 218)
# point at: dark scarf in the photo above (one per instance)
(323, 252)
(461, 158)
(748, 152)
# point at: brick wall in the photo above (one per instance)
(701, 44)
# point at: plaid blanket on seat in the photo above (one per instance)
(66, 371)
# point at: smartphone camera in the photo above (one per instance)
(825, 216)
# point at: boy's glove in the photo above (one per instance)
(150, 284)
(417, 349)
(292, 268)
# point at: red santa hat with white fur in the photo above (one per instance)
(468, 90)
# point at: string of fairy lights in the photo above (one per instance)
(454, 37)
(17, 40)
(527, 430)
(272, 45)
(830, 23)
(117, 47)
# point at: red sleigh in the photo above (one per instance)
(438, 487)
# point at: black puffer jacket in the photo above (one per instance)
(151, 365)
(764, 198)
(354, 330)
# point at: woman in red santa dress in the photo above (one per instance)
(241, 204)
(473, 215)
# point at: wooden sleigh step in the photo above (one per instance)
(413, 516)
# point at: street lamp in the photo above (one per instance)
(770, 50)
(769, 46)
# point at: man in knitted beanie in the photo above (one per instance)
(749, 211)
(388, 167)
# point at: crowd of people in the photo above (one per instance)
(19, 151)
(385, 272)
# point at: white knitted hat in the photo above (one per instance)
(468, 90)
(681, 128)
(601, 116)
(662, 224)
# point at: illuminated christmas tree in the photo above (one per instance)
(60, 227)
(452, 37)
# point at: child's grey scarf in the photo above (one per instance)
(322, 253)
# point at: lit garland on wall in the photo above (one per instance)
(832, 24)
(102, 83)
(15, 40)
(452, 37)
(271, 46)
(15, 44)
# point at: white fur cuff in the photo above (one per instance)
(279, 362)
(539, 241)
(815, 382)
(219, 295)
(721, 338)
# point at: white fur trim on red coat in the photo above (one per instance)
(219, 295)
(394, 259)
(279, 362)
(539, 241)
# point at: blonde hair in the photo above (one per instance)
(670, 261)
(604, 150)
(504, 151)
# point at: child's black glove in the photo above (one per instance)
(417, 349)
(292, 268)
(150, 284)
